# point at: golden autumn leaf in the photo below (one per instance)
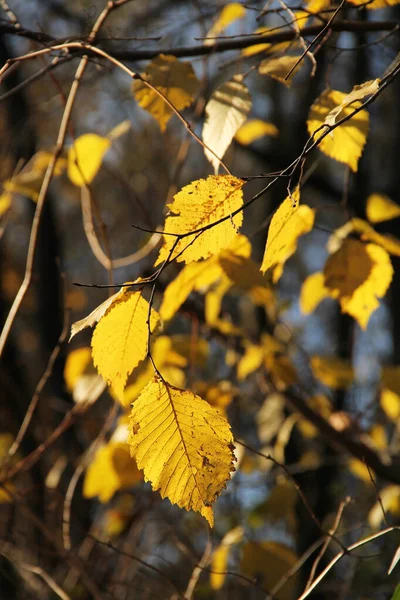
(95, 315)
(251, 360)
(390, 403)
(225, 112)
(85, 157)
(279, 67)
(119, 341)
(183, 445)
(381, 208)
(220, 556)
(112, 469)
(389, 501)
(257, 48)
(346, 142)
(81, 377)
(269, 562)
(229, 14)
(197, 206)
(213, 300)
(358, 275)
(176, 80)
(253, 130)
(359, 92)
(316, 6)
(289, 222)
(313, 291)
(332, 371)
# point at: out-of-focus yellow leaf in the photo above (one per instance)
(119, 341)
(229, 14)
(390, 403)
(357, 275)
(253, 130)
(85, 157)
(281, 370)
(226, 111)
(268, 562)
(213, 300)
(279, 506)
(75, 365)
(251, 360)
(176, 80)
(367, 233)
(313, 291)
(220, 557)
(81, 377)
(381, 208)
(270, 417)
(111, 470)
(5, 202)
(346, 142)
(289, 222)
(183, 445)
(279, 67)
(375, 4)
(360, 470)
(251, 50)
(116, 519)
(317, 6)
(390, 499)
(333, 372)
(378, 436)
(219, 395)
(320, 404)
(198, 205)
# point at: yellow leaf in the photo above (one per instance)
(333, 372)
(85, 157)
(358, 274)
(111, 470)
(198, 205)
(174, 79)
(317, 6)
(367, 233)
(183, 445)
(213, 300)
(220, 557)
(390, 403)
(381, 208)
(251, 360)
(95, 315)
(81, 377)
(119, 341)
(226, 111)
(289, 222)
(5, 202)
(279, 67)
(323, 406)
(360, 470)
(313, 291)
(219, 395)
(281, 370)
(269, 562)
(243, 272)
(346, 142)
(389, 498)
(358, 93)
(375, 4)
(229, 14)
(75, 365)
(253, 130)
(251, 50)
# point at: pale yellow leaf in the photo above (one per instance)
(220, 557)
(358, 275)
(269, 562)
(346, 142)
(381, 208)
(95, 315)
(213, 300)
(176, 80)
(389, 500)
(279, 67)
(251, 360)
(199, 205)
(253, 130)
(289, 222)
(183, 445)
(390, 403)
(313, 291)
(226, 111)
(358, 93)
(111, 470)
(85, 157)
(119, 341)
(229, 14)
(332, 371)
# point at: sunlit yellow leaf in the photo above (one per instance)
(95, 315)
(229, 14)
(367, 233)
(253, 130)
(358, 275)
(119, 341)
(251, 50)
(317, 6)
(226, 111)
(359, 92)
(360, 470)
(75, 365)
(279, 67)
(346, 142)
(219, 395)
(390, 402)
(245, 274)
(220, 557)
(333, 372)
(176, 80)
(213, 300)
(111, 470)
(183, 445)
(85, 157)
(313, 291)
(251, 360)
(289, 222)
(81, 377)
(381, 208)
(198, 205)
(269, 562)
(389, 499)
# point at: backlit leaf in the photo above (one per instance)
(226, 111)
(346, 142)
(81, 377)
(229, 14)
(279, 67)
(253, 130)
(333, 372)
(176, 80)
(313, 291)
(381, 208)
(316, 6)
(85, 157)
(198, 205)
(390, 403)
(358, 275)
(183, 445)
(119, 341)
(358, 93)
(289, 222)
(251, 360)
(29, 180)
(95, 315)
(220, 557)
(390, 500)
